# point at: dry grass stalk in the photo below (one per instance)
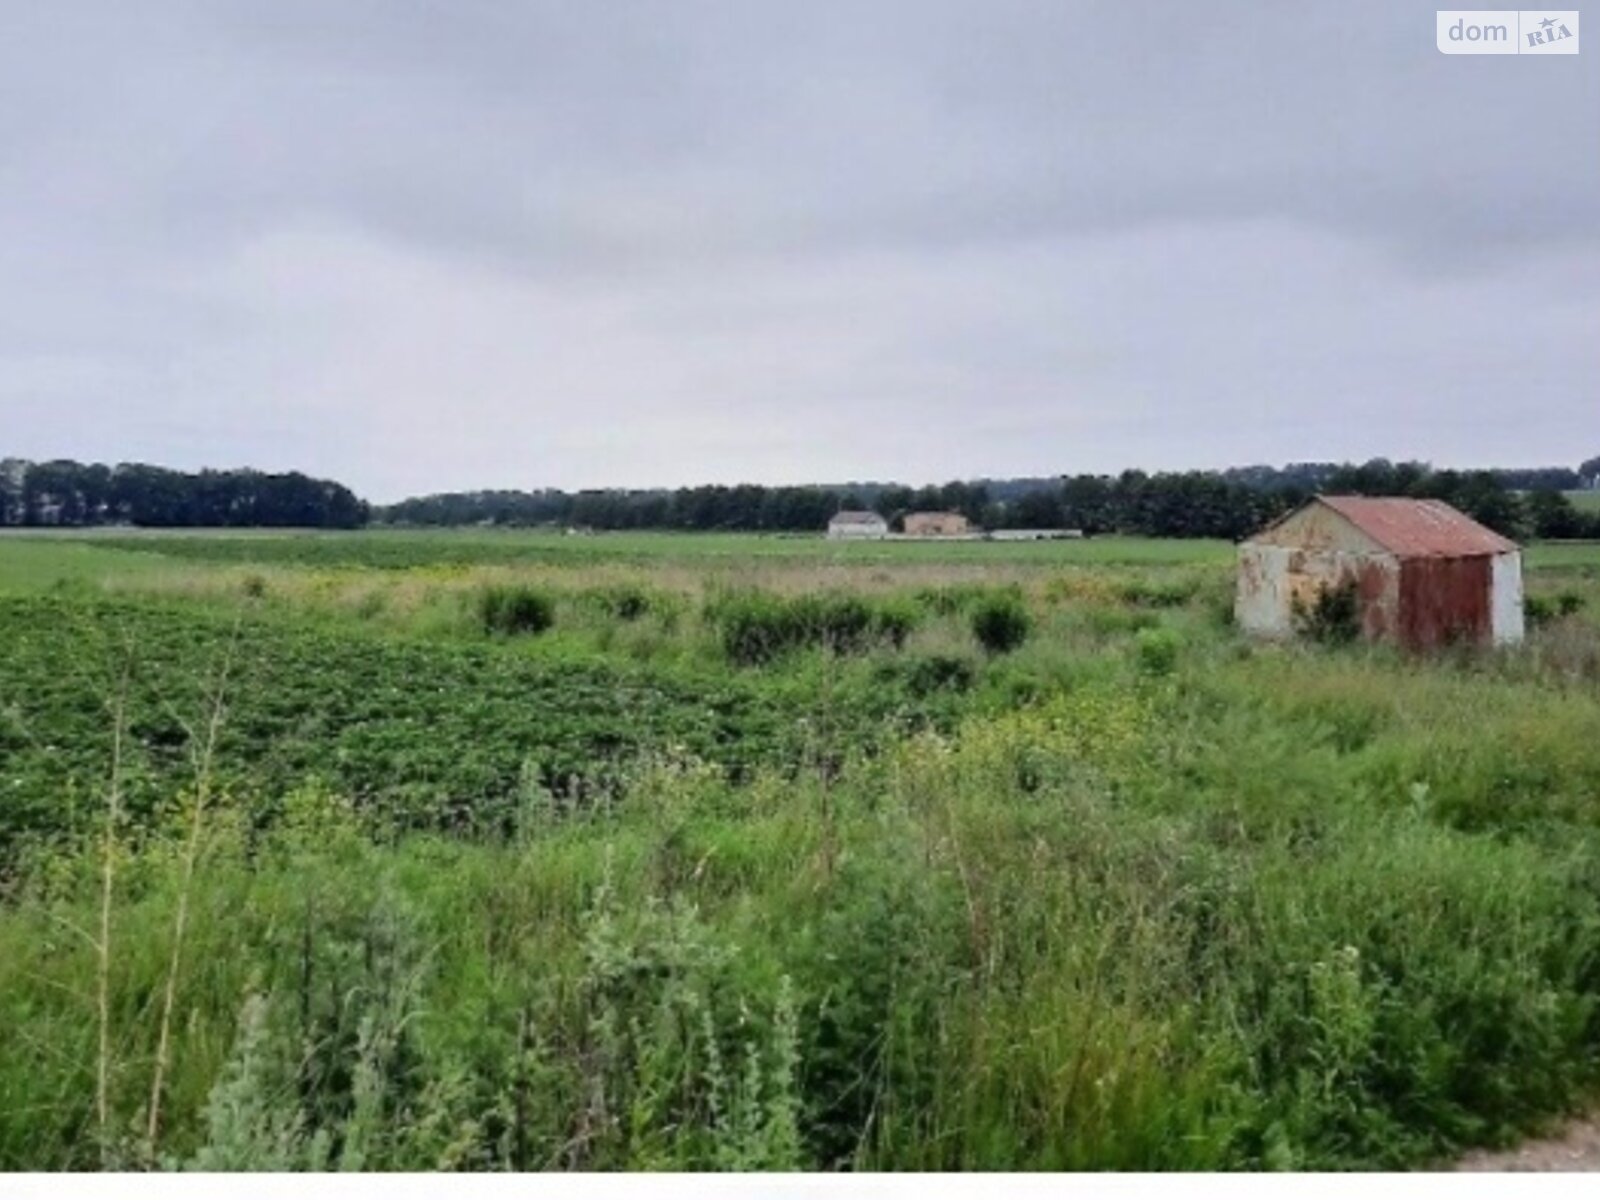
(203, 755)
(108, 859)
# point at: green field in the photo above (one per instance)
(403, 549)
(509, 850)
(1586, 501)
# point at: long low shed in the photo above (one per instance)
(1425, 573)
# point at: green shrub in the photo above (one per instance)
(940, 673)
(1157, 650)
(894, 621)
(757, 627)
(1541, 610)
(753, 627)
(1108, 621)
(1165, 593)
(1333, 617)
(949, 599)
(514, 609)
(1012, 684)
(842, 624)
(1001, 624)
(628, 601)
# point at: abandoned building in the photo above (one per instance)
(936, 524)
(857, 525)
(1422, 573)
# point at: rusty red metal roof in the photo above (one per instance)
(1418, 528)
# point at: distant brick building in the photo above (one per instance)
(936, 524)
(1424, 574)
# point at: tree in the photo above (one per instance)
(1480, 495)
(895, 501)
(1552, 515)
(1036, 510)
(1086, 504)
(11, 471)
(75, 494)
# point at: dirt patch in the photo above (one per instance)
(1576, 1148)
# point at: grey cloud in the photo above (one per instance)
(651, 242)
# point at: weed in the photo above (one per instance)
(759, 627)
(1542, 610)
(1001, 624)
(1131, 895)
(1333, 615)
(1164, 593)
(514, 609)
(1157, 650)
(940, 672)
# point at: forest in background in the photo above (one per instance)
(1218, 504)
(66, 494)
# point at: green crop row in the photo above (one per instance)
(443, 734)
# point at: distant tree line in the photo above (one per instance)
(743, 507)
(1220, 504)
(747, 506)
(64, 493)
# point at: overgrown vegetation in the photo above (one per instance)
(422, 733)
(780, 870)
(514, 609)
(1541, 610)
(1332, 616)
(1001, 624)
(757, 627)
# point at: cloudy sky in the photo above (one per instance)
(430, 245)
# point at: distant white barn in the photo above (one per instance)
(857, 525)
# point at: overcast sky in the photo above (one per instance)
(422, 246)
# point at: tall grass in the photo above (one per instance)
(1142, 896)
(1124, 928)
(203, 751)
